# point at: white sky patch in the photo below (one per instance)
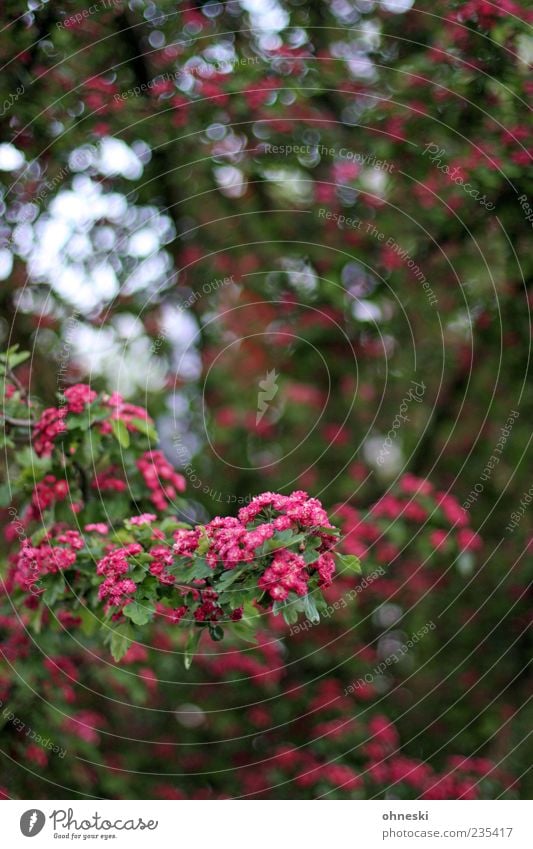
(121, 355)
(10, 158)
(390, 459)
(180, 328)
(143, 243)
(366, 311)
(6, 264)
(231, 181)
(397, 6)
(266, 16)
(147, 273)
(116, 158)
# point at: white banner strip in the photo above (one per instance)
(262, 824)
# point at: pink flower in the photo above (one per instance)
(286, 572)
(116, 592)
(177, 614)
(46, 429)
(469, 540)
(438, 539)
(186, 542)
(143, 519)
(78, 396)
(97, 527)
(159, 476)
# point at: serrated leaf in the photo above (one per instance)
(216, 632)
(310, 555)
(120, 432)
(245, 631)
(89, 621)
(310, 609)
(121, 639)
(55, 587)
(284, 540)
(146, 428)
(350, 562)
(5, 495)
(200, 569)
(13, 357)
(140, 614)
(193, 641)
(203, 542)
(227, 578)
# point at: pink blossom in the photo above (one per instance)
(143, 519)
(78, 396)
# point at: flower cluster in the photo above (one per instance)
(279, 550)
(415, 501)
(46, 430)
(46, 493)
(78, 397)
(116, 590)
(53, 554)
(286, 573)
(161, 479)
(131, 415)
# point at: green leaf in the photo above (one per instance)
(203, 542)
(140, 614)
(13, 357)
(199, 569)
(310, 555)
(227, 578)
(193, 641)
(310, 609)
(145, 427)
(350, 563)
(288, 610)
(120, 432)
(216, 632)
(89, 621)
(244, 630)
(283, 540)
(5, 495)
(121, 639)
(55, 587)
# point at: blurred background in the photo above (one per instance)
(297, 233)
